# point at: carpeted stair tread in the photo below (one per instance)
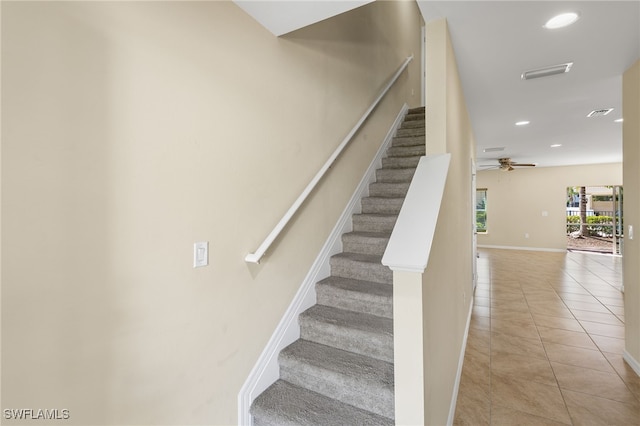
(413, 124)
(406, 151)
(389, 189)
(363, 334)
(356, 295)
(365, 242)
(395, 175)
(401, 162)
(358, 380)
(411, 132)
(416, 117)
(408, 141)
(374, 222)
(284, 404)
(366, 267)
(382, 205)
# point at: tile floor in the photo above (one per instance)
(545, 343)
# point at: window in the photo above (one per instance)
(481, 210)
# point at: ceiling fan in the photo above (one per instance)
(506, 165)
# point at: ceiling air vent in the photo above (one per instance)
(599, 112)
(546, 72)
(500, 148)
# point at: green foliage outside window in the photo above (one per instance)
(481, 210)
(600, 226)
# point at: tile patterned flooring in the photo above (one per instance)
(545, 343)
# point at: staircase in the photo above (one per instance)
(340, 371)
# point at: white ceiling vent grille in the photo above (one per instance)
(546, 72)
(599, 112)
(496, 149)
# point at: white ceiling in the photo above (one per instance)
(283, 16)
(494, 43)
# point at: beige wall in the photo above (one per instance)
(132, 130)
(517, 200)
(631, 260)
(447, 281)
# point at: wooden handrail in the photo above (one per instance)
(257, 255)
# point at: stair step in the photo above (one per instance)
(395, 175)
(407, 140)
(400, 162)
(412, 124)
(382, 205)
(417, 110)
(374, 222)
(365, 242)
(419, 115)
(356, 295)
(406, 151)
(389, 189)
(411, 132)
(284, 404)
(366, 267)
(363, 382)
(363, 334)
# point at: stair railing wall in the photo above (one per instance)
(407, 255)
(259, 253)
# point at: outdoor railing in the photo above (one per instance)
(574, 212)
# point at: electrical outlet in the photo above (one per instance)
(526, 235)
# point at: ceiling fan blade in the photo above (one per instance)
(523, 165)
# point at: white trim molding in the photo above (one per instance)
(554, 250)
(633, 363)
(456, 385)
(266, 370)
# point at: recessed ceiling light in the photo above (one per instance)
(545, 72)
(522, 123)
(556, 145)
(619, 120)
(562, 20)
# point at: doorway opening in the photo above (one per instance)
(594, 219)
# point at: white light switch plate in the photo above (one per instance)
(200, 254)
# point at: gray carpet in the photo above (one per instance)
(340, 371)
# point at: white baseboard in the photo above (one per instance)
(456, 386)
(266, 370)
(633, 363)
(555, 250)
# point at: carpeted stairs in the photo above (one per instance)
(340, 371)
